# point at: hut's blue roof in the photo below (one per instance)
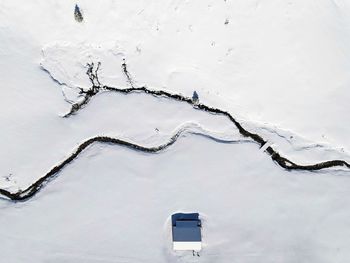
(184, 217)
(186, 227)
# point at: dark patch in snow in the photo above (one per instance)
(78, 14)
(92, 73)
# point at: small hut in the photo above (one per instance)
(186, 231)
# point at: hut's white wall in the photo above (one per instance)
(196, 246)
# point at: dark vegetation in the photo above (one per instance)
(97, 87)
(77, 14)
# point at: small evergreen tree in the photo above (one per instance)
(77, 14)
(195, 97)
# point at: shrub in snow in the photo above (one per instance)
(195, 97)
(77, 14)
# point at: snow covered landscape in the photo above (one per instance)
(103, 137)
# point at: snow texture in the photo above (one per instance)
(280, 67)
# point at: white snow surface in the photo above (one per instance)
(280, 67)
